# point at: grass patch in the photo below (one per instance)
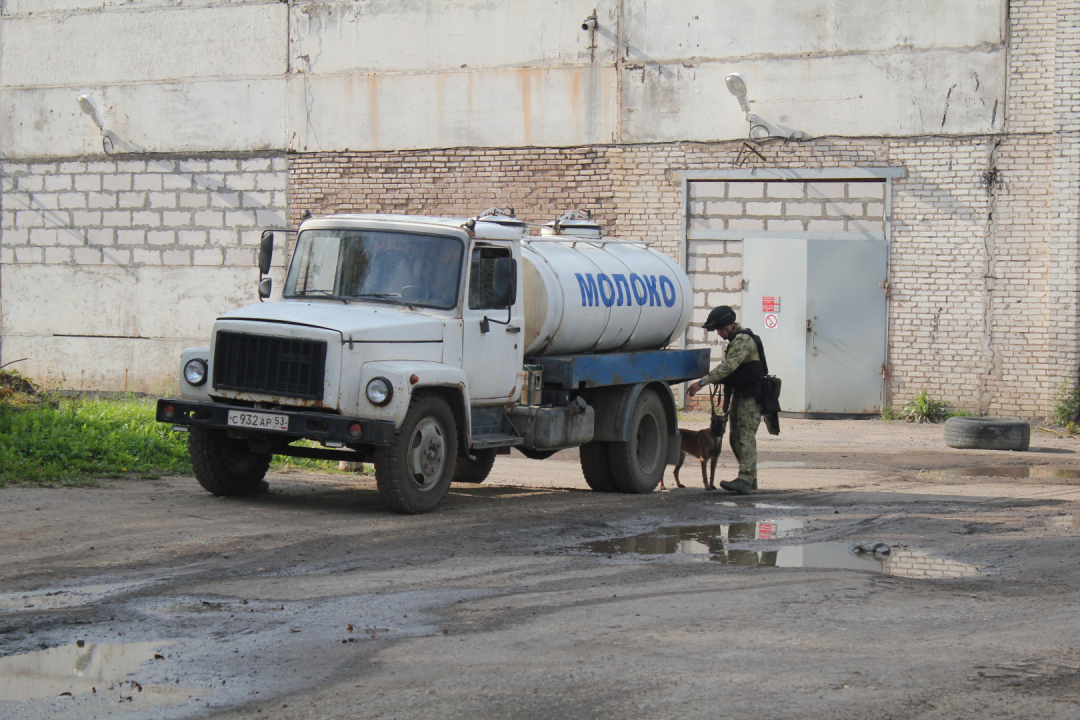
(49, 440)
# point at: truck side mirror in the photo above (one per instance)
(265, 285)
(266, 252)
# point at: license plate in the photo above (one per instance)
(258, 421)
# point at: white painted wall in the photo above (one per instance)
(116, 328)
(236, 75)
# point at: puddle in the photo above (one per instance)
(1069, 522)
(759, 505)
(100, 669)
(712, 542)
(1009, 471)
(779, 465)
(45, 600)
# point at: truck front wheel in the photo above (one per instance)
(223, 465)
(638, 464)
(414, 473)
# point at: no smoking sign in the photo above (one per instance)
(770, 321)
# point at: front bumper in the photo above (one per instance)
(301, 425)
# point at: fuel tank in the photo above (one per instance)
(587, 293)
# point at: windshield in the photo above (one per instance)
(392, 267)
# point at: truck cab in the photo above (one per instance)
(400, 340)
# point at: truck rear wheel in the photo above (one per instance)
(638, 464)
(223, 465)
(414, 473)
(475, 471)
(595, 468)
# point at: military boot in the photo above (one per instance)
(737, 486)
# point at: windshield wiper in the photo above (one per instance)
(328, 293)
(387, 297)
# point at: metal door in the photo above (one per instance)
(819, 306)
(491, 344)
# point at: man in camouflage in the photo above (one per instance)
(744, 415)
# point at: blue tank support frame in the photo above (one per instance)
(574, 372)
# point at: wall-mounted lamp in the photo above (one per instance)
(86, 104)
(736, 85)
(590, 23)
(760, 129)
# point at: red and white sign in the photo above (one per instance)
(766, 531)
(770, 321)
(770, 304)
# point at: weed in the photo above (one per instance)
(1066, 401)
(923, 408)
(890, 414)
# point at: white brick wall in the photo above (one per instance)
(134, 212)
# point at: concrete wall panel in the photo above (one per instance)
(42, 7)
(127, 324)
(140, 46)
(434, 35)
(513, 107)
(676, 29)
(242, 116)
(886, 95)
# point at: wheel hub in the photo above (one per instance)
(427, 457)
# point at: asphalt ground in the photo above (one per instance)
(530, 596)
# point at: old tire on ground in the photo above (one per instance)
(475, 471)
(638, 464)
(225, 466)
(595, 466)
(983, 433)
(414, 473)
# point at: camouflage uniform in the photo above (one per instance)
(744, 415)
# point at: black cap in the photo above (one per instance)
(719, 317)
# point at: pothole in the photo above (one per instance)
(1009, 471)
(714, 543)
(102, 670)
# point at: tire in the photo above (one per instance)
(638, 465)
(983, 433)
(224, 466)
(414, 473)
(475, 471)
(595, 467)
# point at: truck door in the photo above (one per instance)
(491, 349)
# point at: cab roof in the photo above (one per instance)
(495, 227)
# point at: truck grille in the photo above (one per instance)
(270, 365)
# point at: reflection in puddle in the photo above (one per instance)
(93, 668)
(713, 541)
(1009, 471)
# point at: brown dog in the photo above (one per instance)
(703, 445)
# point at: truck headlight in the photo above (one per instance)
(195, 372)
(380, 391)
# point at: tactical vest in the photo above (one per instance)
(745, 378)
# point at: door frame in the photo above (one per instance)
(887, 174)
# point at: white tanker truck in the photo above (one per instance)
(427, 346)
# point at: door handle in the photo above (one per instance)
(513, 329)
